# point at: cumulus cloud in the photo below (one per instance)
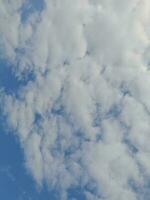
(83, 120)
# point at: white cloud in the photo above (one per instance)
(90, 94)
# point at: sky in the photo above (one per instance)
(74, 100)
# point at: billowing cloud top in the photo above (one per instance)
(83, 115)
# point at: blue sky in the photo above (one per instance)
(31, 6)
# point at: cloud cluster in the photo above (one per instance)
(83, 120)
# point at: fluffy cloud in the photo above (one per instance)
(83, 120)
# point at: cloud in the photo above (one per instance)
(84, 117)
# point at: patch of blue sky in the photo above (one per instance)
(131, 147)
(145, 193)
(29, 7)
(15, 182)
(9, 81)
(76, 193)
(79, 192)
(97, 115)
(114, 111)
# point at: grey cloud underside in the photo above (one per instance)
(84, 118)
